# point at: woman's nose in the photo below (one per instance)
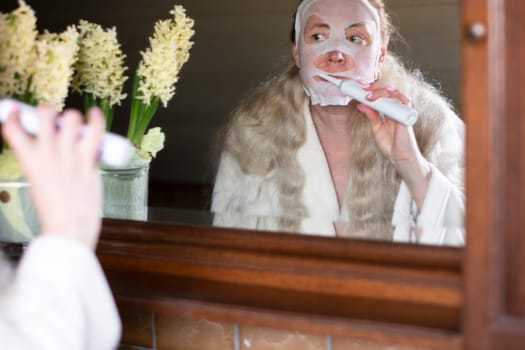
(336, 57)
(334, 61)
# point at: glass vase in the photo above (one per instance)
(18, 217)
(126, 192)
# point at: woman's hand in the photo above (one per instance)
(61, 166)
(398, 142)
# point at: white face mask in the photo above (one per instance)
(338, 37)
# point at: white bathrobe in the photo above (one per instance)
(59, 299)
(252, 201)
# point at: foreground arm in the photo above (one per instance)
(59, 297)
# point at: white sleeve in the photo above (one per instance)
(227, 191)
(441, 218)
(59, 299)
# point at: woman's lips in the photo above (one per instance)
(318, 78)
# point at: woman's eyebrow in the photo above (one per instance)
(318, 25)
(358, 25)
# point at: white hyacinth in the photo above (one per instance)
(100, 68)
(17, 39)
(162, 61)
(53, 69)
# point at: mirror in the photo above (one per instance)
(238, 45)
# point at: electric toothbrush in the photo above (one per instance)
(115, 150)
(387, 106)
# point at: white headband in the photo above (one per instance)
(303, 7)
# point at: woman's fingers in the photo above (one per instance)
(70, 131)
(47, 126)
(92, 137)
(389, 92)
(19, 141)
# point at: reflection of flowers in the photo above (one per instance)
(39, 68)
(155, 76)
(152, 142)
(17, 40)
(53, 71)
(100, 68)
(35, 69)
(161, 63)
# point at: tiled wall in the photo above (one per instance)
(147, 331)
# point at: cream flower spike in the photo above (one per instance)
(17, 39)
(53, 70)
(100, 68)
(162, 61)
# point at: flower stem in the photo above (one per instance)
(145, 119)
(104, 105)
(135, 108)
(140, 114)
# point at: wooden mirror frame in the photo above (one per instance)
(434, 297)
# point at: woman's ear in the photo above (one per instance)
(295, 55)
(382, 55)
(380, 61)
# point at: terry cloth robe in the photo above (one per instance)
(252, 201)
(58, 299)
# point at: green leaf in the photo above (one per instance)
(104, 105)
(145, 119)
(134, 113)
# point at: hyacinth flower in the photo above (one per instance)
(18, 34)
(52, 71)
(158, 71)
(35, 68)
(100, 74)
(99, 70)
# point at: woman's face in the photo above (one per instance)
(339, 37)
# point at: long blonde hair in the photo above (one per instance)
(266, 130)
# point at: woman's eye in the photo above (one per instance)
(318, 37)
(356, 39)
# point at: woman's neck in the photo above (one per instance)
(333, 123)
(334, 129)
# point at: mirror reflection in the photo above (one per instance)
(311, 155)
(296, 154)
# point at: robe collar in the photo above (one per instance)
(319, 195)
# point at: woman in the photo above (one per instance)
(299, 150)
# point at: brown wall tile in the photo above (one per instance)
(132, 347)
(354, 344)
(137, 328)
(175, 333)
(255, 338)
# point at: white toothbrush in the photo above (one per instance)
(115, 150)
(389, 107)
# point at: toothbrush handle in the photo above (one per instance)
(388, 106)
